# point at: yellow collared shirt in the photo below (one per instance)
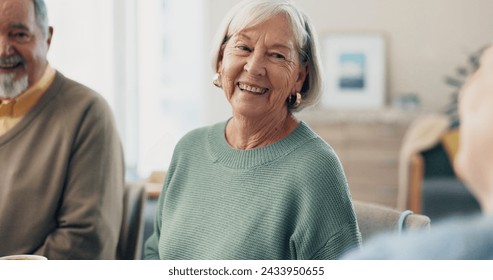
(12, 111)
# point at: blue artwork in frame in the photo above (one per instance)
(354, 70)
(352, 74)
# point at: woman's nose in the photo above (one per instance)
(255, 64)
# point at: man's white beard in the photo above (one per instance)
(11, 88)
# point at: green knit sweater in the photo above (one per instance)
(289, 200)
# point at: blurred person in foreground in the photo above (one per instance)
(61, 169)
(469, 237)
(261, 185)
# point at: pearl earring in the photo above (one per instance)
(216, 80)
(294, 100)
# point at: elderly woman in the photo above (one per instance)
(262, 185)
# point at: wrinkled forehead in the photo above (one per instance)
(487, 58)
(244, 21)
(481, 80)
(17, 12)
(275, 28)
(479, 86)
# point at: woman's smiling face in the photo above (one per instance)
(260, 68)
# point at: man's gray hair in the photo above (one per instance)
(41, 14)
(252, 12)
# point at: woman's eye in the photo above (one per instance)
(243, 48)
(278, 56)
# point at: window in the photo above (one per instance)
(146, 58)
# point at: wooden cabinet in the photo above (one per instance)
(368, 145)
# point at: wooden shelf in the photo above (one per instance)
(368, 146)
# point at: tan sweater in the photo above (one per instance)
(61, 177)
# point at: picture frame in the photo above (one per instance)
(354, 65)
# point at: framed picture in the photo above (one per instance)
(354, 71)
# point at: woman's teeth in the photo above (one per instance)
(252, 89)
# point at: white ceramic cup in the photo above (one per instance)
(23, 257)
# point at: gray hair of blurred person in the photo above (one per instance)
(41, 14)
(249, 13)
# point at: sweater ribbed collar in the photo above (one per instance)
(228, 156)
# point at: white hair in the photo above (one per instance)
(249, 13)
(41, 14)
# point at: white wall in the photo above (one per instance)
(90, 42)
(146, 58)
(427, 40)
